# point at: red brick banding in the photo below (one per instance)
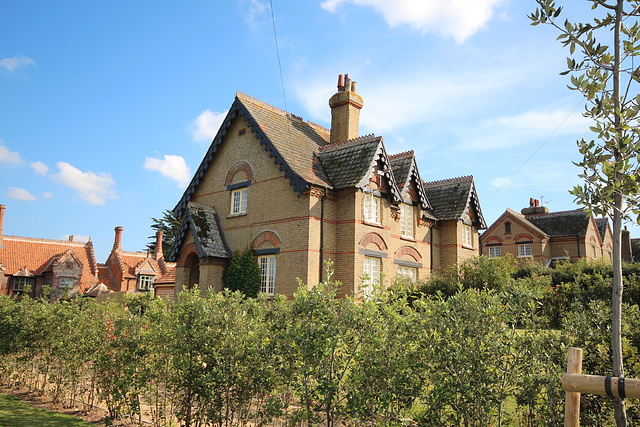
(410, 251)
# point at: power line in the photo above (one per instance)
(273, 19)
(535, 152)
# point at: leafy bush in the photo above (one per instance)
(243, 274)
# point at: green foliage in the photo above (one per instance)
(242, 273)
(169, 225)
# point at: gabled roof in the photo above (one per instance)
(105, 276)
(37, 255)
(291, 142)
(560, 224)
(405, 170)
(602, 224)
(450, 198)
(352, 163)
(204, 225)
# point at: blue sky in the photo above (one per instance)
(106, 108)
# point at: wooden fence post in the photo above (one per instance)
(572, 399)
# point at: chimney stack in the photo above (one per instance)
(158, 252)
(71, 238)
(2, 208)
(534, 208)
(117, 244)
(345, 110)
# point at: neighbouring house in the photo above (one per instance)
(133, 271)
(299, 195)
(547, 237)
(29, 264)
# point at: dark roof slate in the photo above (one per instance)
(450, 198)
(348, 163)
(405, 170)
(602, 224)
(204, 225)
(557, 224)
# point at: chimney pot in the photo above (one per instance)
(353, 86)
(537, 203)
(117, 244)
(71, 238)
(340, 83)
(531, 202)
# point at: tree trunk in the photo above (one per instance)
(616, 296)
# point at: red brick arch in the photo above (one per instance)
(493, 239)
(409, 250)
(522, 236)
(184, 254)
(241, 166)
(266, 236)
(374, 238)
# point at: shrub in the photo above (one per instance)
(243, 274)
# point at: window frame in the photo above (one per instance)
(63, 282)
(241, 207)
(268, 271)
(406, 220)
(522, 250)
(407, 273)
(24, 281)
(145, 282)
(372, 206)
(495, 251)
(370, 276)
(467, 235)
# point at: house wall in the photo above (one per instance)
(272, 206)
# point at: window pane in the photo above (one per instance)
(267, 274)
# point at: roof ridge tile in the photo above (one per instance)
(349, 143)
(43, 240)
(245, 97)
(403, 154)
(456, 180)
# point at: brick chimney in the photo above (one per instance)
(158, 253)
(2, 208)
(534, 208)
(117, 243)
(345, 110)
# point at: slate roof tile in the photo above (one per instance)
(567, 223)
(347, 163)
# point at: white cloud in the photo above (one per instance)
(449, 18)
(15, 63)
(171, 166)
(40, 168)
(256, 12)
(47, 195)
(94, 188)
(7, 156)
(20, 194)
(205, 127)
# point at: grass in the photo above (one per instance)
(16, 413)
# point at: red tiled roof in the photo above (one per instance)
(36, 254)
(168, 278)
(130, 260)
(104, 276)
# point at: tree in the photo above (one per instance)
(608, 79)
(169, 225)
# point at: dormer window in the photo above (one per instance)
(371, 208)
(145, 282)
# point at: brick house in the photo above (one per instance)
(28, 263)
(300, 194)
(133, 271)
(545, 236)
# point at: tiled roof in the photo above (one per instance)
(405, 170)
(168, 278)
(37, 254)
(450, 198)
(291, 142)
(202, 222)
(557, 224)
(104, 276)
(602, 224)
(348, 163)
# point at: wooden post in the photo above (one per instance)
(572, 399)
